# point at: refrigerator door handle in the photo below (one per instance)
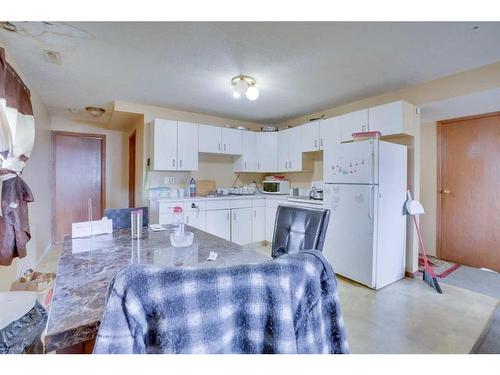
(372, 165)
(371, 199)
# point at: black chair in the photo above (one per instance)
(121, 216)
(299, 228)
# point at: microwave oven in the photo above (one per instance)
(276, 187)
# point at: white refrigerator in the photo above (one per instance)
(366, 191)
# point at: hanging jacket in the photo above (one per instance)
(14, 225)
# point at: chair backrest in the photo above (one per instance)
(121, 216)
(299, 228)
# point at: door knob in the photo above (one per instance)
(445, 191)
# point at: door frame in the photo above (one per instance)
(102, 138)
(439, 161)
(131, 170)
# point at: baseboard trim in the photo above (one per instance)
(411, 274)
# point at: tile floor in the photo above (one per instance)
(405, 317)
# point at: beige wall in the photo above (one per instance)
(428, 185)
(37, 176)
(219, 168)
(422, 155)
(116, 157)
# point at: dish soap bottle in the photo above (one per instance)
(192, 187)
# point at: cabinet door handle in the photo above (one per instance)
(245, 166)
(258, 165)
(227, 216)
(321, 142)
(218, 148)
(180, 163)
(315, 143)
(173, 162)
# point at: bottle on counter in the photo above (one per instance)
(192, 187)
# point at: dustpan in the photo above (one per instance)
(412, 206)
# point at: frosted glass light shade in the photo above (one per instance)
(252, 93)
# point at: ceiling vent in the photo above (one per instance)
(52, 57)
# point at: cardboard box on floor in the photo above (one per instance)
(42, 283)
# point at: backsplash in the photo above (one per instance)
(220, 169)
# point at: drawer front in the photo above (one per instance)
(273, 203)
(241, 203)
(218, 205)
(167, 207)
(194, 205)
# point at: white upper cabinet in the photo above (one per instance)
(187, 146)
(395, 118)
(267, 152)
(173, 145)
(290, 150)
(354, 122)
(247, 162)
(217, 140)
(231, 141)
(330, 135)
(209, 139)
(163, 145)
(310, 136)
(283, 139)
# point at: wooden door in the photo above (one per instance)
(468, 187)
(131, 170)
(79, 174)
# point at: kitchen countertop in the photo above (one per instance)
(283, 197)
(87, 265)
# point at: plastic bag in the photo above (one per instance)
(24, 334)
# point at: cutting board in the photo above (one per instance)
(203, 187)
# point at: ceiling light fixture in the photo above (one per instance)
(95, 111)
(245, 85)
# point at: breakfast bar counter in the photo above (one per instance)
(87, 266)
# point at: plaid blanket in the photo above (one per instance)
(286, 305)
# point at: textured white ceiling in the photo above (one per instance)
(299, 67)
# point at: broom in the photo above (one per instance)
(415, 208)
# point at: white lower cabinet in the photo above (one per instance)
(258, 224)
(196, 219)
(219, 223)
(241, 225)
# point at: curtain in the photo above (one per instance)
(17, 135)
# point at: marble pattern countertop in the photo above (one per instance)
(87, 266)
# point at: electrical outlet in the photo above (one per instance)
(172, 180)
